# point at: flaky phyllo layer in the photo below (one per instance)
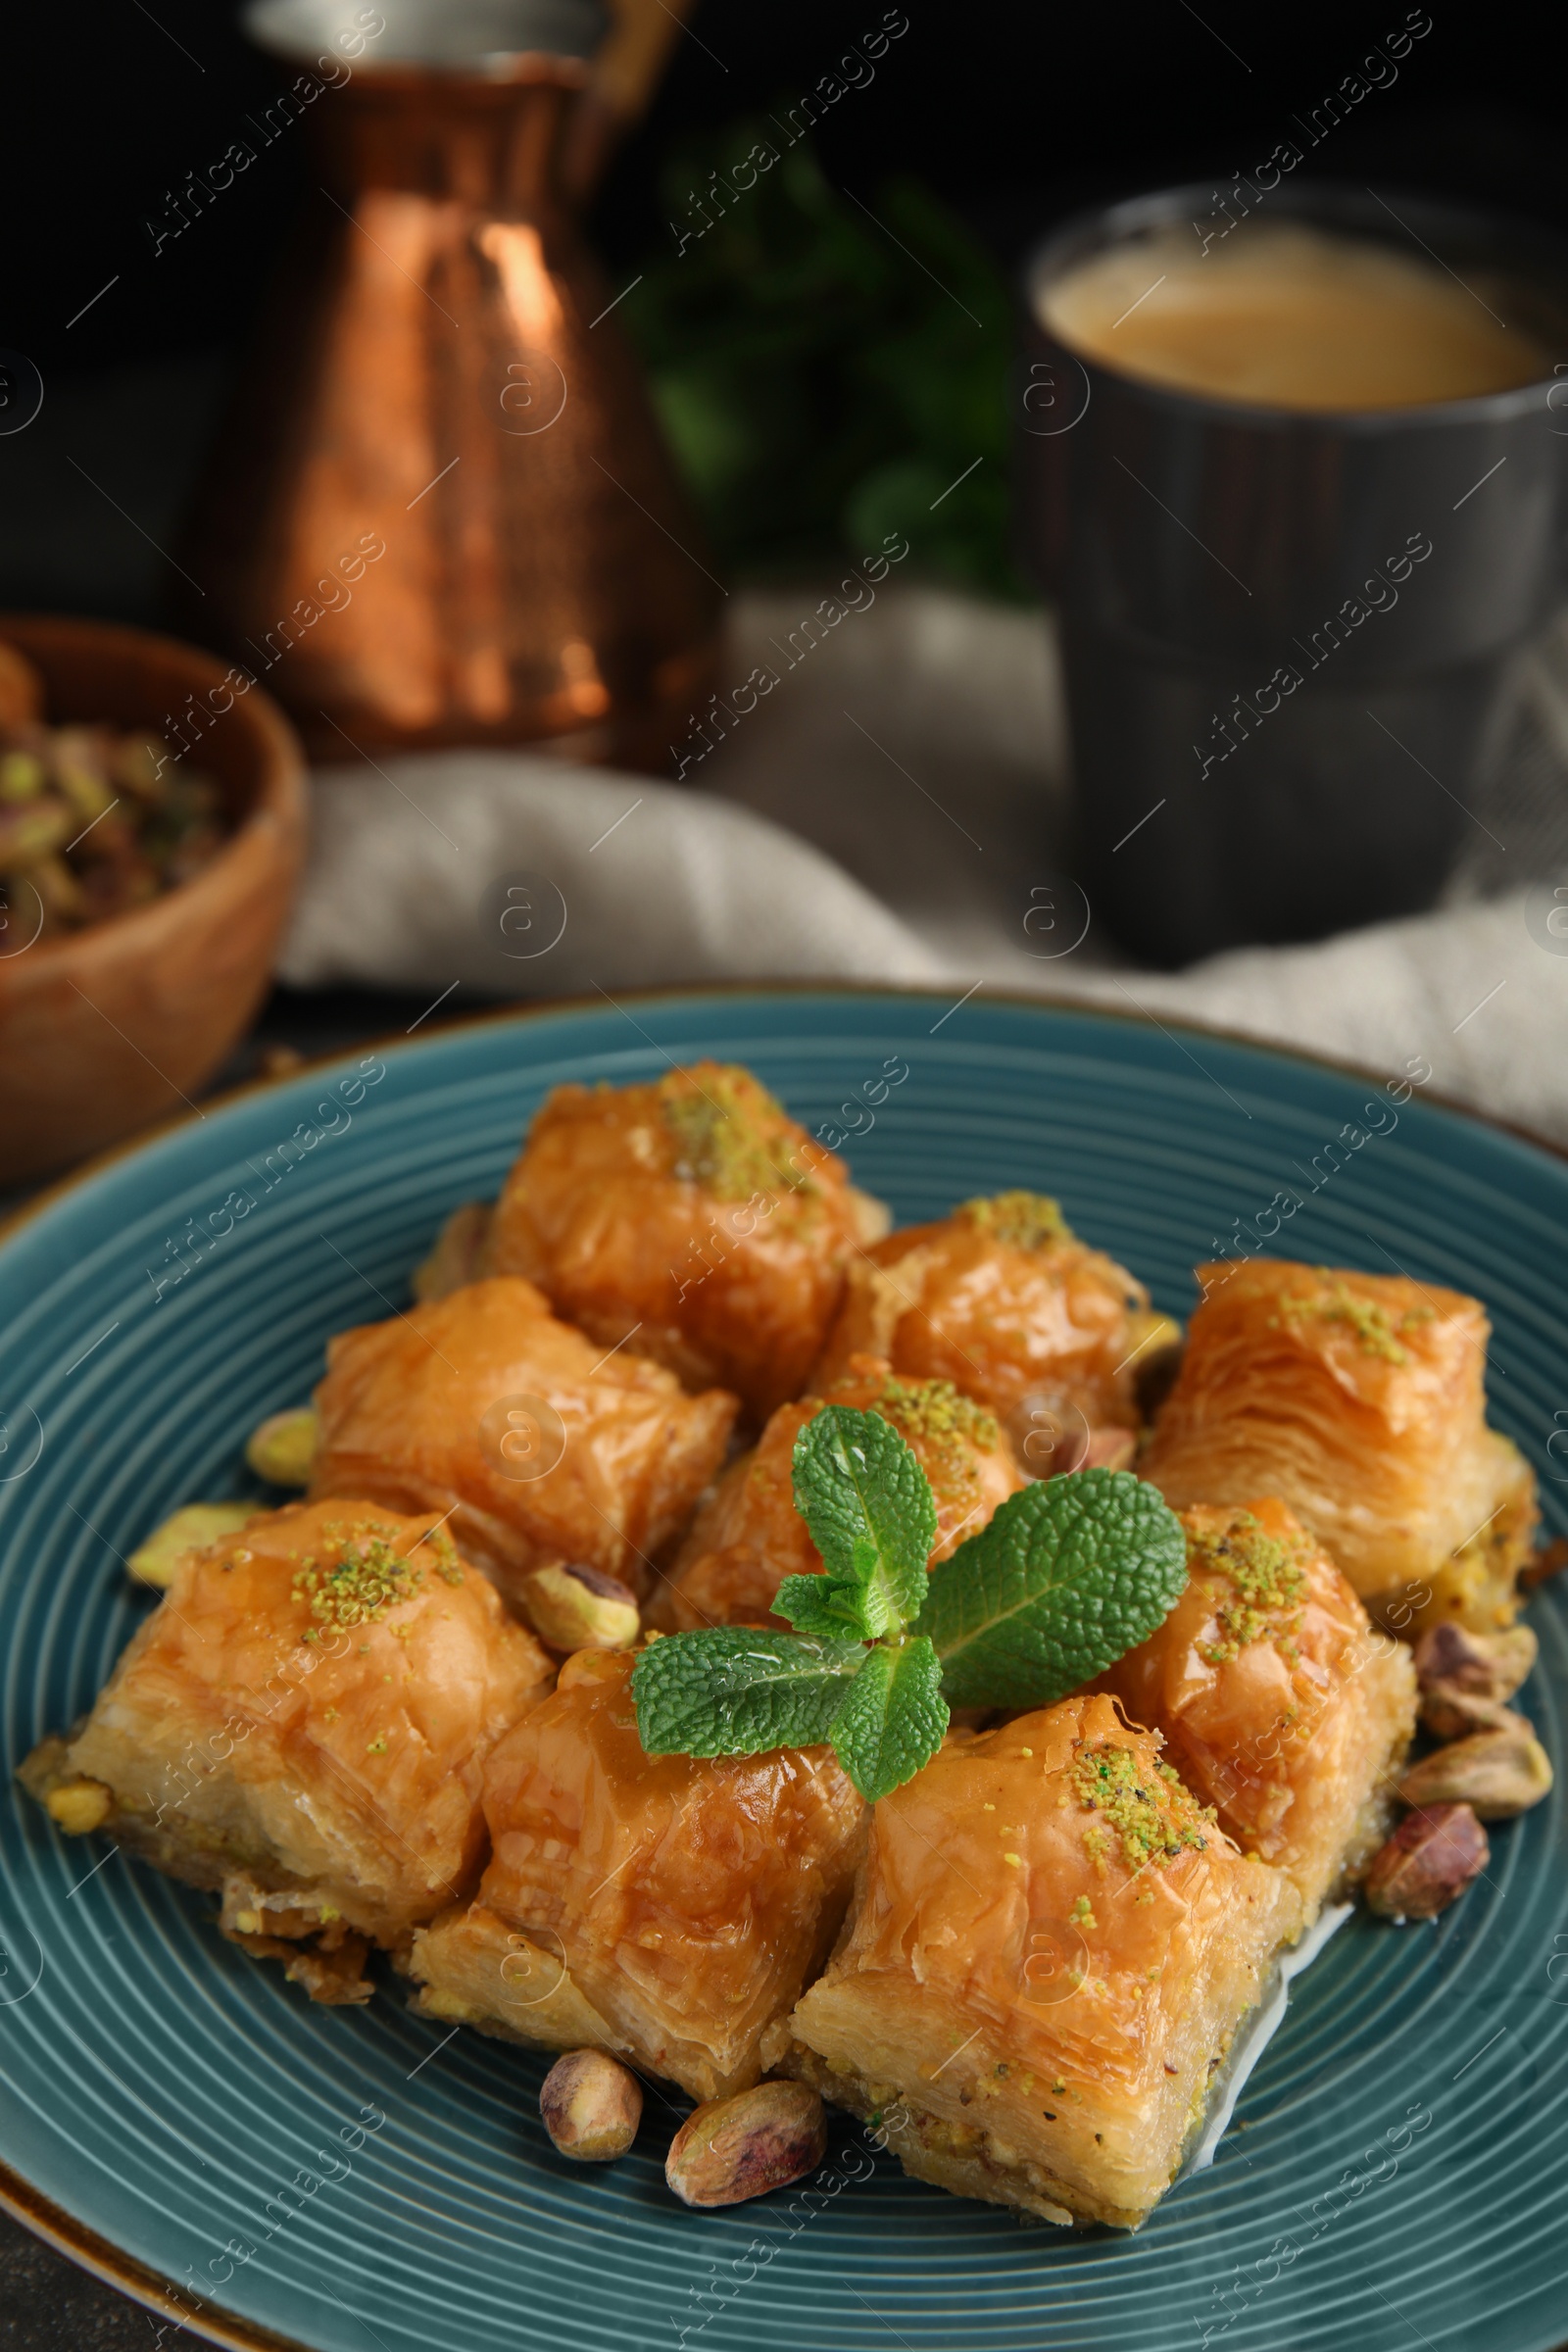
(671, 1908)
(1359, 1399)
(691, 1220)
(1051, 1948)
(1279, 1703)
(1002, 1298)
(303, 1724)
(529, 1441)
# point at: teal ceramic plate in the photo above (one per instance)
(1397, 2174)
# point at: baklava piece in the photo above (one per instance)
(669, 1909)
(1279, 1703)
(302, 1726)
(689, 1220)
(1051, 1949)
(1359, 1401)
(749, 1536)
(530, 1440)
(1004, 1300)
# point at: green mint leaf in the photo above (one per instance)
(1068, 1576)
(822, 1605)
(892, 1718)
(867, 1504)
(734, 1691)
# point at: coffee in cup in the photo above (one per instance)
(1290, 316)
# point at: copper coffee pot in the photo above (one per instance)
(439, 510)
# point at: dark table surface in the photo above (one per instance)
(48, 2305)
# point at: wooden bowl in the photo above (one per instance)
(105, 1030)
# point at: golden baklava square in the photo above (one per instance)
(536, 1443)
(1279, 1703)
(1359, 1401)
(302, 1725)
(669, 1908)
(1051, 1948)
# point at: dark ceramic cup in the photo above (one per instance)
(1286, 633)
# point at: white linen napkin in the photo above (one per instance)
(628, 882)
(894, 811)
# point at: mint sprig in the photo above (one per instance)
(1069, 1574)
(869, 1508)
(893, 1717)
(736, 1691)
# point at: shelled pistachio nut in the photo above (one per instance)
(192, 1528)
(1497, 1773)
(1431, 1859)
(732, 2149)
(282, 1448)
(591, 2106)
(573, 1606)
(1464, 1676)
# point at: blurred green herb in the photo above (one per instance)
(818, 387)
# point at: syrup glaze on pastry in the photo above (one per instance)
(1002, 1298)
(1279, 1703)
(691, 1220)
(666, 1909)
(484, 1408)
(303, 1724)
(1051, 1948)
(749, 1536)
(1359, 1399)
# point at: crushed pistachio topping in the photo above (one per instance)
(935, 1410)
(1155, 1821)
(1081, 1914)
(1375, 1329)
(378, 1745)
(1259, 1587)
(946, 1430)
(728, 1133)
(1024, 1220)
(448, 1566)
(367, 1579)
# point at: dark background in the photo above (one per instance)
(1016, 115)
